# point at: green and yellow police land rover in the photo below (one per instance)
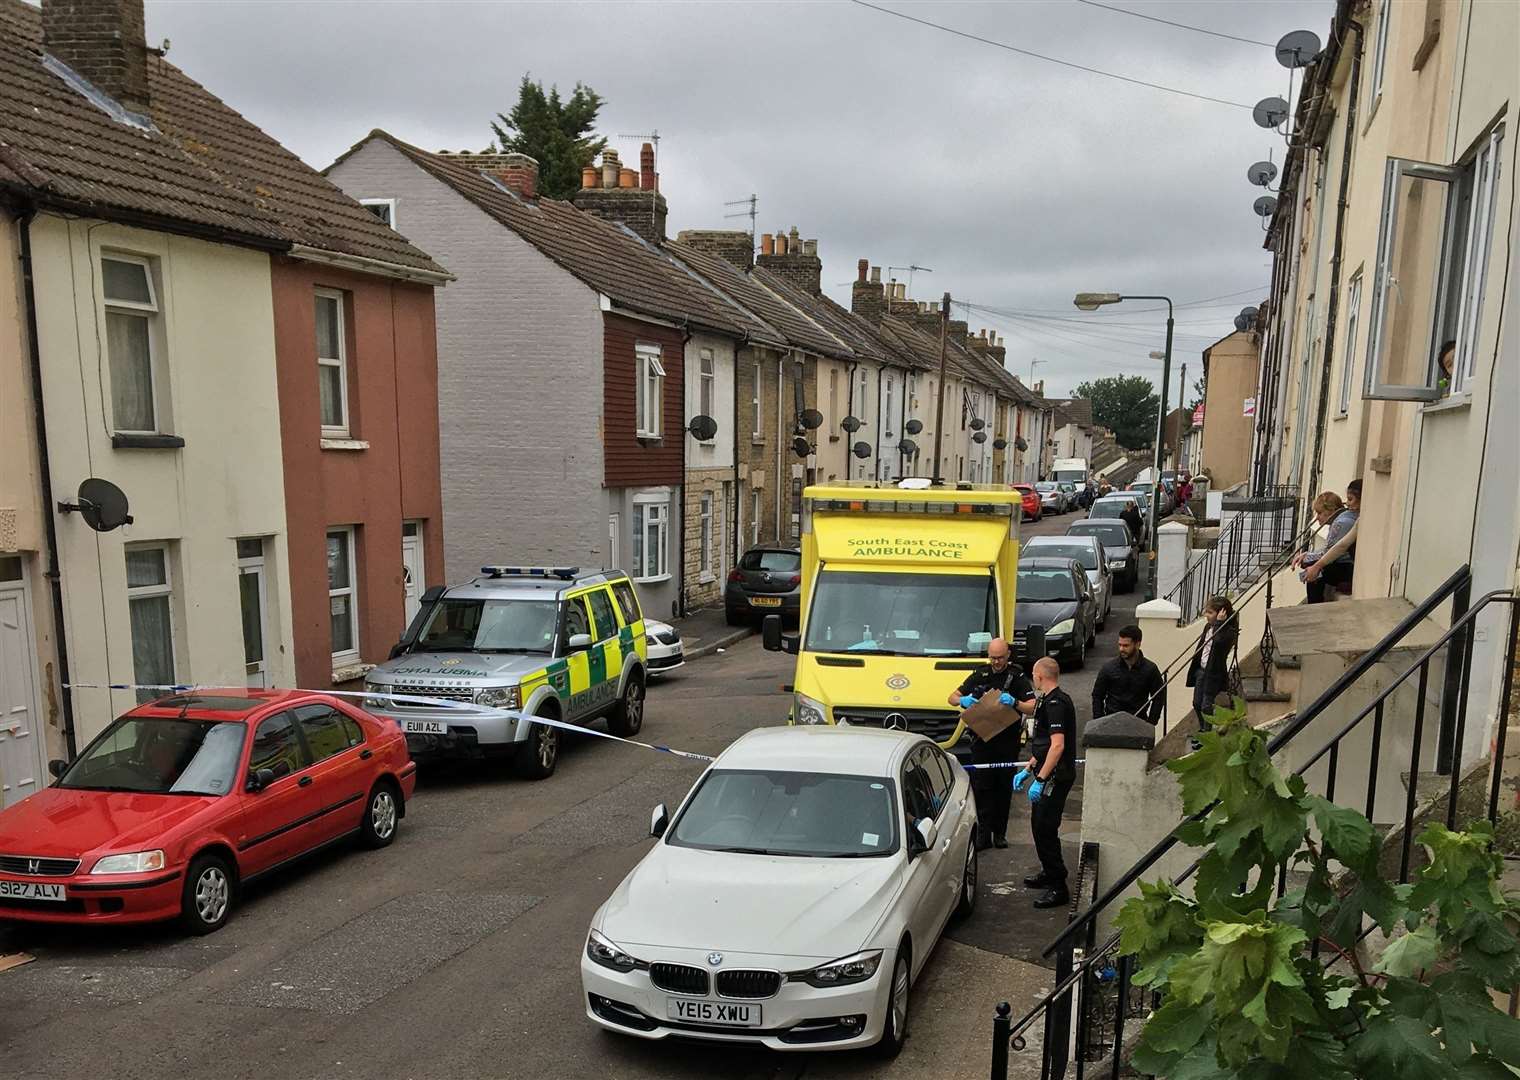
(545, 641)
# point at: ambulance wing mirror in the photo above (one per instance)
(773, 639)
(579, 641)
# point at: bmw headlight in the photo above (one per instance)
(807, 711)
(608, 954)
(852, 969)
(138, 862)
(499, 697)
(1065, 626)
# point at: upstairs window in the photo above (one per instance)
(1379, 58)
(650, 390)
(707, 377)
(132, 314)
(332, 364)
(384, 209)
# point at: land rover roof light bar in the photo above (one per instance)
(564, 573)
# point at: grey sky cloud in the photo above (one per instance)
(1019, 182)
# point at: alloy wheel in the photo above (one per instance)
(212, 890)
(900, 997)
(633, 706)
(382, 814)
(968, 880)
(548, 745)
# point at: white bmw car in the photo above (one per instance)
(793, 898)
(663, 644)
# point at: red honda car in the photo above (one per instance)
(182, 800)
(1032, 503)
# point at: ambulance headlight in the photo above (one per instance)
(499, 697)
(805, 710)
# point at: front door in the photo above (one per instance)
(253, 596)
(23, 753)
(413, 577)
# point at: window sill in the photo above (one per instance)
(344, 444)
(1341, 416)
(146, 442)
(757, 440)
(656, 580)
(833, 438)
(1462, 399)
(707, 579)
(347, 671)
(650, 440)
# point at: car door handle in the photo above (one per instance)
(305, 781)
(944, 845)
(365, 755)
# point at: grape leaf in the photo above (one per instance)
(1399, 1046)
(1347, 834)
(1410, 954)
(1177, 1027)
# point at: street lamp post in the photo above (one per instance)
(1092, 302)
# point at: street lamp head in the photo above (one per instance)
(1157, 354)
(1092, 301)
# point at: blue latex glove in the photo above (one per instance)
(1005, 698)
(967, 701)
(1020, 778)
(1036, 789)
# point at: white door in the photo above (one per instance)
(23, 751)
(725, 541)
(613, 556)
(413, 577)
(253, 597)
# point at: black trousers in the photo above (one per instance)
(994, 787)
(1045, 825)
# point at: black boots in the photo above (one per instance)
(1055, 896)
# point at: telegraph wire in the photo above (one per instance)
(1178, 25)
(1050, 59)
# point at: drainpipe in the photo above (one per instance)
(849, 452)
(902, 428)
(881, 430)
(55, 584)
(733, 513)
(780, 385)
(679, 607)
(1335, 262)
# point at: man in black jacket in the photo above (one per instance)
(1052, 768)
(1130, 515)
(1129, 682)
(993, 795)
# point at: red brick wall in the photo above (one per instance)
(631, 462)
(393, 406)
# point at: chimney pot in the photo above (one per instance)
(591, 177)
(899, 291)
(646, 167)
(792, 236)
(780, 247)
(862, 268)
(767, 243)
(105, 42)
(876, 275)
(810, 247)
(610, 169)
(627, 178)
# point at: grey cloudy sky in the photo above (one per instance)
(1019, 182)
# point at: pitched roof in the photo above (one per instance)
(604, 255)
(788, 325)
(858, 336)
(201, 168)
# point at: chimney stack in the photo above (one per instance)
(519, 172)
(734, 246)
(862, 268)
(105, 42)
(767, 244)
(794, 259)
(867, 297)
(626, 195)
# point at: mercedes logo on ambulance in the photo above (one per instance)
(895, 721)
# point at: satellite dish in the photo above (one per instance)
(861, 449)
(1265, 206)
(913, 427)
(101, 503)
(907, 447)
(801, 447)
(702, 427)
(850, 424)
(1270, 112)
(1262, 173)
(1242, 323)
(1020, 444)
(977, 423)
(978, 436)
(1249, 311)
(1000, 443)
(811, 419)
(1298, 48)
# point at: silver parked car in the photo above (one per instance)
(1088, 552)
(1052, 499)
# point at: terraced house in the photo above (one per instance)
(196, 317)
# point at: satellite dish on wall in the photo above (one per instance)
(861, 449)
(850, 424)
(811, 419)
(1262, 173)
(801, 447)
(977, 423)
(1298, 49)
(1270, 112)
(1249, 311)
(1020, 444)
(702, 427)
(1242, 323)
(101, 503)
(1000, 444)
(978, 436)
(913, 427)
(908, 447)
(1265, 206)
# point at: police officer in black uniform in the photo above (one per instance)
(993, 794)
(1050, 773)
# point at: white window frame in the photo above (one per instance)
(650, 389)
(390, 209)
(341, 430)
(707, 383)
(705, 522)
(755, 495)
(756, 435)
(643, 503)
(886, 422)
(153, 313)
(1348, 351)
(1379, 59)
(834, 397)
(351, 590)
(149, 592)
(1475, 257)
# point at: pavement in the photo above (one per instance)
(706, 631)
(455, 952)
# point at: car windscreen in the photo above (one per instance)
(471, 625)
(816, 815)
(1110, 534)
(783, 562)
(1045, 485)
(1085, 554)
(160, 756)
(1043, 586)
(902, 614)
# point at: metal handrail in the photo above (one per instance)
(1245, 538)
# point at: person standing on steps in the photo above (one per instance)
(1209, 672)
(1129, 682)
(993, 796)
(1050, 773)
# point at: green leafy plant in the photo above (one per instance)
(1242, 995)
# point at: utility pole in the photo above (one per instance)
(1181, 404)
(939, 406)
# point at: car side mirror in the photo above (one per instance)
(658, 821)
(922, 837)
(397, 649)
(579, 641)
(259, 779)
(57, 766)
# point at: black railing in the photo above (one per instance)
(1262, 527)
(1457, 644)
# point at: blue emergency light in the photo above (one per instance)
(564, 573)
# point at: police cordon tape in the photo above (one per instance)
(462, 706)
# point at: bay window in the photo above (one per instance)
(651, 536)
